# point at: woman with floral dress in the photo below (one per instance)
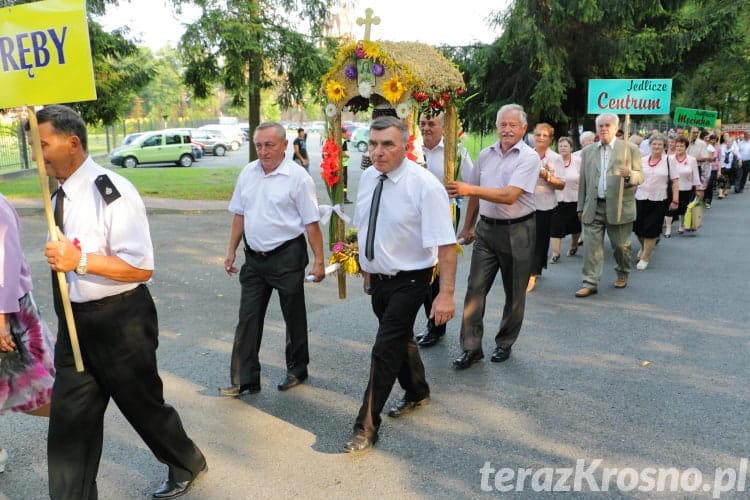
(26, 344)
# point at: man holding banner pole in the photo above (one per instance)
(105, 249)
(610, 172)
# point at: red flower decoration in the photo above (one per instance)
(446, 96)
(460, 92)
(330, 169)
(410, 149)
(420, 96)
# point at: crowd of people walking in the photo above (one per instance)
(523, 201)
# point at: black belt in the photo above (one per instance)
(94, 304)
(400, 274)
(603, 200)
(506, 222)
(276, 250)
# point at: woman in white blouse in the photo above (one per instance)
(651, 197)
(551, 178)
(565, 216)
(689, 181)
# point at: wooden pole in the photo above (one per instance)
(450, 140)
(625, 161)
(337, 225)
(64, 296)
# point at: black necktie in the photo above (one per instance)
(59, 203)
(374, 207)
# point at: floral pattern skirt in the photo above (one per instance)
(27, 373)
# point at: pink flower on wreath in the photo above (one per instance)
(360, 51)
(338, 246)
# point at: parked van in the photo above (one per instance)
(166, 146)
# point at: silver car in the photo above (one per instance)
(212, 142)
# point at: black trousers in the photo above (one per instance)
(432, 292)
(741, 176)
(118, 338)
(395, 355)
(708, 195)
(541, 247)
(283, 271)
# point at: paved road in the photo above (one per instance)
(654, 375)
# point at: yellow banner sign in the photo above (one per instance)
(45, 55)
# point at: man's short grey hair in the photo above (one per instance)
(384, 122)
(586, 135)
(512, 107)
(278, 126)
(608, 115)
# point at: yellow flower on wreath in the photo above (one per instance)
(393, 89)
(372, 50)
(336, 92)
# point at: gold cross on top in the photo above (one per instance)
(368, 21)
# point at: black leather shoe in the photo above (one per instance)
(405, 407)
(430, 339)
(238, 390)
(500, 354)
(173, 489)
(467, 358)
(419, 336)
(290, 381)
(360, 443)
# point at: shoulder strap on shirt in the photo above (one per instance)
(108, 190)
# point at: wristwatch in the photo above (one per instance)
(82, 266)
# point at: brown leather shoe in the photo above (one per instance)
(621, 282)
(585, 292)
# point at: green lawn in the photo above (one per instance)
(168, 182)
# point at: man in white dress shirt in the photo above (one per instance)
(404, 228)
(274, 205)
(105, 250)
(431, 128)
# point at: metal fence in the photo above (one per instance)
(13, 149)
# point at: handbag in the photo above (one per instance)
(693, 219)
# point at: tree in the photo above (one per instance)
(119, 70)
(249, 45)
(723, 82)
(549, 49)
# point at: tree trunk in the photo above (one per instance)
(255, 73)
(254, 103)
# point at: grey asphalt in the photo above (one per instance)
(653, 375)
